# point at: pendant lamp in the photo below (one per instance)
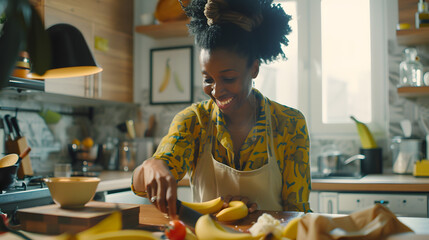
(71, 56)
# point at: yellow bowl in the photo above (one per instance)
(72, 192)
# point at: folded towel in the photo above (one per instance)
(376, 222)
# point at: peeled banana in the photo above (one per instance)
(291, 229)
(236, 210)
(366, 138)
(167, 76)
(208, 229)
(211, 206)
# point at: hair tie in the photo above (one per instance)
(216, 11)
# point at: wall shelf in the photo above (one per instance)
(165, 30)
(413, 36)
(413, 92)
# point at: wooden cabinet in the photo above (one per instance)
(412, 36)
(107, 26)
(165, 30)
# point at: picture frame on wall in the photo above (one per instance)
(171, 75)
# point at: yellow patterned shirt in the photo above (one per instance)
(184, 143)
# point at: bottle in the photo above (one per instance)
(410, 69)
(422, 14)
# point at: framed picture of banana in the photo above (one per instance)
(171, 75)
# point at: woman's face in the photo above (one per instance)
(227, 78)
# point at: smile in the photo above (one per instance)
(224, 103)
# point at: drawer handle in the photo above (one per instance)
(381, 202)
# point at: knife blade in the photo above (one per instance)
(187, 215)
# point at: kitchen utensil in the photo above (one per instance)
(406, 128)
(9, 169)
(10, 131)
(72, 192)
(372, 161)
(51, 219)
(9, 160)
(405, 152)
(15, 126)
(337, 163)
(186, 214)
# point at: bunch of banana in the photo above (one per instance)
(236, 210)
(207, 207)
(366, 138)
(291, 229)
(208, 229)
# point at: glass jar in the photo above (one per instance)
(410, 70)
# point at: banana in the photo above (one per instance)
(167, 76)
(208, 229)
(291, 229)
(128, 234)
(190, 235)
(236, 210)
(111, 223)
(366, 138)
(211, 206)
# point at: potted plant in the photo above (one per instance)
(22, 30)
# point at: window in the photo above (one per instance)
(335, 67)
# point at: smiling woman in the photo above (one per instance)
(238, 145)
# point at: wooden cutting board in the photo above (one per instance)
(51, 219)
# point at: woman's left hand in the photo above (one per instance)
(252, 206)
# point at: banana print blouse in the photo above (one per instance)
(184, 142)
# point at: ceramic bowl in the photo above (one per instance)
(72, 192)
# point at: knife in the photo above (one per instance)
(15, 125)
(8, 123)
(190, 216)
(187, 215)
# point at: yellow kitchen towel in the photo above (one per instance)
(376, 222)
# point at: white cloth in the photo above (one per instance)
(213, 179)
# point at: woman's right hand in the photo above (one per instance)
(160, 185)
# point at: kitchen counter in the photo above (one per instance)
(373, 183)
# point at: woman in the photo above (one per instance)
(239, 144)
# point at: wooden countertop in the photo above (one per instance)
(373, 183)
(152, 219)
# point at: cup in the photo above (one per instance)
(147, 18)
(372, 163)
(62, 170)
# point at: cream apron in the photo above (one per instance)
(213, 179)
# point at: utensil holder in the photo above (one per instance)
(18, 146)
(372, 164)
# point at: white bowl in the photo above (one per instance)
(72, 192)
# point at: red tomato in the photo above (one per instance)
(176, 230)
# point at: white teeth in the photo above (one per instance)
(225, 102)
